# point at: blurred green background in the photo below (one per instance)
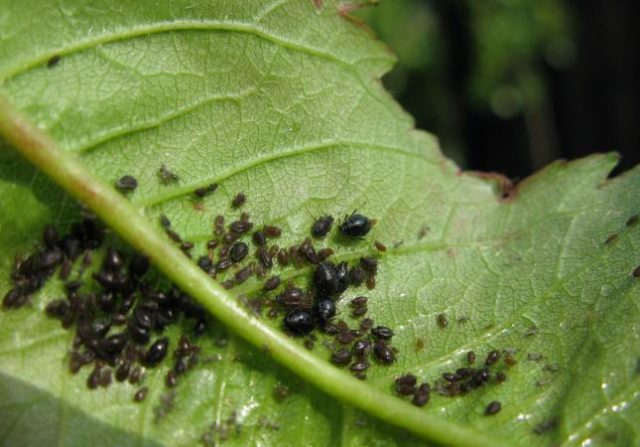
(511, 85)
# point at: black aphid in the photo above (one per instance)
(322, 226)
(122, 371)
(259, 238)
(356, 225)
(382, 332)
(238, 200)
(450, 377)
(492, 357)
(360, 366)
(633, 220)
(126, 183)
(493, 408)
(203, 192)
(442, 321)
(264, 257)
(384, 354)
(93, 381)
(361, 347)
(205, 263)
(113, 260)
(421, 396)
(240, 227)
(157, 351)
(342, 277)
(299, 322)
(501, 377)
(238, 251)
(53, 61)
(341, 357)
(636, 272)
(141, 394)
(57, 309)
(325, 309)
(405, 389)
(407, 379)
(357, 276)
(50, 237)
(325, 279)
(139, 265)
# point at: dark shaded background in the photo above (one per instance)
(511, 85)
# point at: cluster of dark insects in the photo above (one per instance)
(117, 316)
(459, 382)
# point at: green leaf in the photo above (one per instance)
(281, 100)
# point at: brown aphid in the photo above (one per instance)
(228, 284)
(186, 246)
(612, 238)
(219, 225)
(165, 175)
(271, 231)
(509, 360)
(633, 220)
(636, 272)
(175, 237)
(171, 380)
(93, 381)
(358, 301)
(324, 254)
(371, 283)
(243, 274)
(238, 200)
(280, 392)
(272, 283)
(442, 321)
(501, 377)
(493, 408)
(492, 357)
(283, 257)
(141, 394)
(136, 375)
(380, 246)
(366, 324)
(419, 344)
(105, 377)
(359, 311)
(471, 357)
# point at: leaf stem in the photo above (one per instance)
(38, 148)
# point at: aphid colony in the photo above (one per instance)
(461, 381)
(233, 261)
(119, 320)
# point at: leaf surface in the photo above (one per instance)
(281, 100)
